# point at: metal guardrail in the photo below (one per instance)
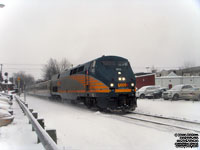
(43, 136)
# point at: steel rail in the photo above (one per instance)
(45, 139)
(160, 123)
(167, 118)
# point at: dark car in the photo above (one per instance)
(158, 93)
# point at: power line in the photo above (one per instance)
(22, 68)
(23, 64)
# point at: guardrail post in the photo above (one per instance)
(52, 134)
(31, 110)
(35, 115)
(41, 122)
(11, 112)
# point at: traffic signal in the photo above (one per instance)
(6, 74)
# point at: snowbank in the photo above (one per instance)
(4, 113)
(4, 105)
(18, 135)
(5, 99)
(5, 117)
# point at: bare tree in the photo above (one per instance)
(153, 69)
(188, 64)
(51, 68)
(25, 79)
(64, 64)
(54, 67)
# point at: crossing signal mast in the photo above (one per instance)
(6, 80)
(6, 74)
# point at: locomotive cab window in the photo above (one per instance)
(76, 70)
(80, 69)
(108, 63)
(73, 71)
(115, 63)
(122, 63)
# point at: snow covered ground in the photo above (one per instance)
(189, 110)
(18, 135)
(81, 129)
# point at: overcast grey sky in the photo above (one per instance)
(155, 33)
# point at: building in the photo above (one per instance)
(144, 79)
(192, 71)
(5, 86)
(172, 79)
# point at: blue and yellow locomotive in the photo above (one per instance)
(107, 82)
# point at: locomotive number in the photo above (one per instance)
(122, 84)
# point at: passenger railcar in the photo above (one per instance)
(107, 82)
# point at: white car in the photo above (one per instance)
(147, 91)
(177, 91)
(192, 94)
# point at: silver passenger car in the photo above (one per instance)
(192, 94)
(177, 91)
(147, 91)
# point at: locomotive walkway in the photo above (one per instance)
(18, 135)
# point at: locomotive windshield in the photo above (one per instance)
(115, 63)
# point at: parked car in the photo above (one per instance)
(192, 94)
(147, 91)
(176, 92)
(159, 92)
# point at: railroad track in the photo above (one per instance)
(165, 121)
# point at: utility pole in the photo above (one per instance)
(1, 67)
(18, 81)
(25, 92)
(1, 77)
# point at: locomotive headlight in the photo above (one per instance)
(132, 84)
(119, 78)
(111, 84)
(119, 72)
(123, 78)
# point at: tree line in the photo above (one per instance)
(51, 68)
